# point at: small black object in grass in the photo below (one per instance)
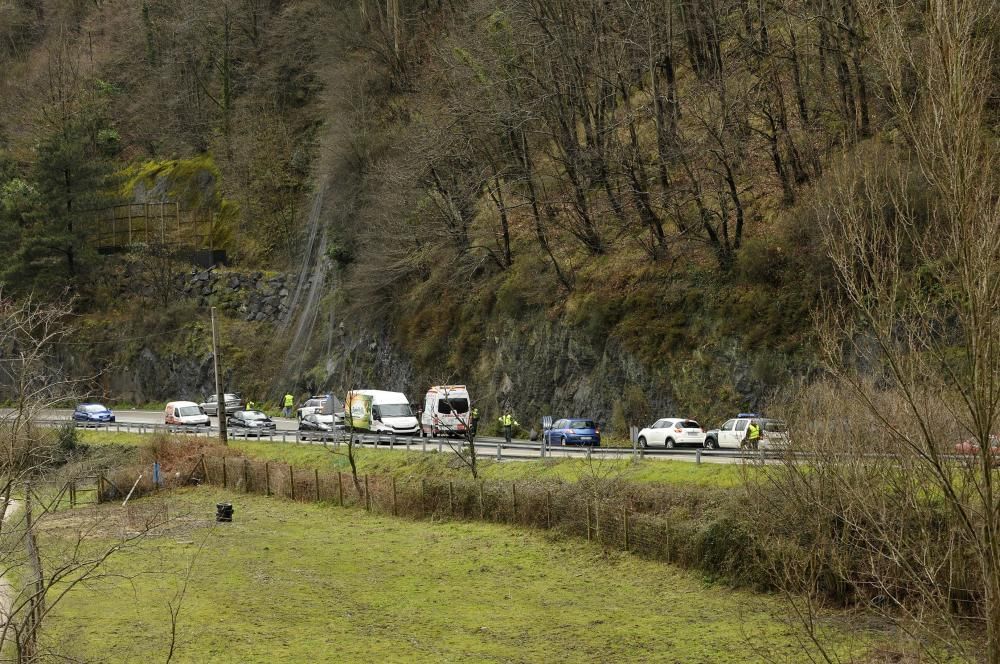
(224, 512)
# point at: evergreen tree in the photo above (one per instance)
(50, 211)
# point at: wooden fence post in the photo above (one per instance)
(267, 478)
(513, 495)
(340, 488)
(316, 474)
(597, 521)
(666, 539)
(224, 464)
(625, 520)
(291, 480)
(368, 502)
(394, 495)
(588, 519)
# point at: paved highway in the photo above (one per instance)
(149, 421)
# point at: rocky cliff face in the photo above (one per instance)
(249, 295)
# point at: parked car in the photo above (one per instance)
(318, 424)
(671, 432)
(971, 447)
(773, 434)
(573, 431)
(251, 420)
(185, 413)
(92, 413)
(233, 403)
(326, 404)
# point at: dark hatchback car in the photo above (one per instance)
(93, 413)
(317, 425)
(252, 421)
(573, 431)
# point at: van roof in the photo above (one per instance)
(447, 388)
(383, 395)
(178, 404)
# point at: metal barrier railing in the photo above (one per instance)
(496, 446)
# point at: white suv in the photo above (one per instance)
(314, 405)
(773, 433)
(672, 431)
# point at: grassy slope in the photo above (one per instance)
(292, 582)
(382, 461)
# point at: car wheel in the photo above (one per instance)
(669, 443)
(710, 443)
(642, 442)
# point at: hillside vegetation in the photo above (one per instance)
(607, 208)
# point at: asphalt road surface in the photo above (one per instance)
(487, 446)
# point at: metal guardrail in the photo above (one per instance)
(419, 443)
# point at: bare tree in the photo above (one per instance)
(908, 525)
(34, 378)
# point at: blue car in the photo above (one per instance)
(573, 431)
(93, 413)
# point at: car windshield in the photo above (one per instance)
(254, 415)
(395, 410)
(689, 424)
(776, 426)
(458, 406)
(581, 424)
(187, 411)
(93, 408)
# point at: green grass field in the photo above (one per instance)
(290, 582)
(400, 462)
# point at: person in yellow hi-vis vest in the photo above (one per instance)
(508, 422)
(289, 402)
(753, 434)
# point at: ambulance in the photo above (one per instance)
(446, 411)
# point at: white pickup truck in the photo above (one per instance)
(773, 434)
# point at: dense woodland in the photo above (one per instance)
(648, 175)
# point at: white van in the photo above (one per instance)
(186, 413)
(381, 412)
(445, 411)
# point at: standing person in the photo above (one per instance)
(474, 423)
(289, 402)
(508, 422)
(251, 405)
(753, 434)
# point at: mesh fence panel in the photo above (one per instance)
(655, 522)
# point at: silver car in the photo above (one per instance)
(233, 404)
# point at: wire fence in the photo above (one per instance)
(675, 524)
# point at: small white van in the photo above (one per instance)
(186, 413)
(389, 412)
(445, 411)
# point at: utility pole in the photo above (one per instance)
(220, 402)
